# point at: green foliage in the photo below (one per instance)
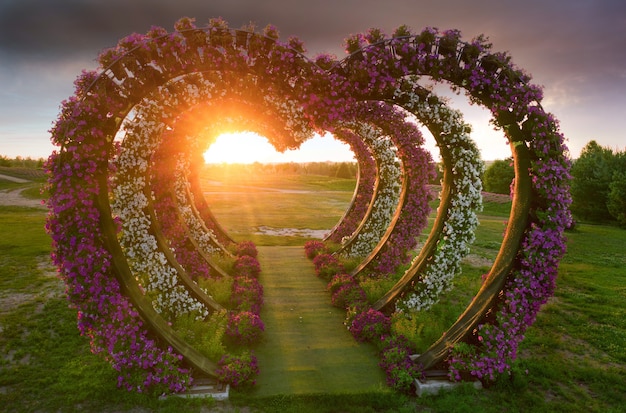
(20, 162)
(375, 289)
(238, 370)
(223, 261)
(350, 263)
(425, 327)
(220, 289)
(599, 184)
(498, 176)
(572, 360)
(206, 336)
(616, 200)
(346, 170)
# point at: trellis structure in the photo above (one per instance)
(293, 96)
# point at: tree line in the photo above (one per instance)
(19, 162)
(598, 185)
(346, 170)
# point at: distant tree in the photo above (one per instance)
(616, 200)
(498, 176)
(592, 174)
(344, 171)
(20, 162)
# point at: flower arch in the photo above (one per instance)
(123, 320)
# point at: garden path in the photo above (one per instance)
(306, 347)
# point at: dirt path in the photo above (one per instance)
(14, 197)
(13, 179)
(306, 348)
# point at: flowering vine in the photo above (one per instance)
(387, 194)
(364, 190)
(125, 283)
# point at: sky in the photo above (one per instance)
(575, 49)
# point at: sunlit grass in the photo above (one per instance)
(245, 204)
(307, 349)
(572, 360)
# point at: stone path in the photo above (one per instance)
(306, 348)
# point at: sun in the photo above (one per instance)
(240, 147)
(250, 147)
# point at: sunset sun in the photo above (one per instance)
(239, 147)
(249, 147)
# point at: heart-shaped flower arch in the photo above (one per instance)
(162, 235)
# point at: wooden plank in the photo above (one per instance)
(153, 320)
(503, 264)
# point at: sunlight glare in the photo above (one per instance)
(249, 147)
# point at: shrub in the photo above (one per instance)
(313, 248)
(338, 281)
(204, 335)
(246, 248)
(238, 371)
(326, 266)
(349, 295)
(375, 288)
(247, 266)
(223, 261)
(498, 176)
(370, 325)
(247, 295)
(244, 328)
(220, 289)
(396, 361)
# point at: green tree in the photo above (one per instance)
(344, 171)
(498, 176)
(616, 200)
(592, 174)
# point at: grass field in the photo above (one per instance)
(572, 360)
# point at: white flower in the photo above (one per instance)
(387, 196)
(461, 221)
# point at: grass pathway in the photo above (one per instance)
(306, 348)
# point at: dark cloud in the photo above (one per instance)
(573, 47)
(48, 28)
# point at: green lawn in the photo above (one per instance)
(572, 360)
(249, 205)
(307, 348)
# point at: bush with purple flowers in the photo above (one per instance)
(238, 371)
(327, 265)
(395, 360)
(244, 328)
(340, 280)
(370, 325)
(313, 248)
(350, 296)
(247, 266)
(247, 295)
(246, 248)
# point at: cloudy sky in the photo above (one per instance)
(576, 49)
